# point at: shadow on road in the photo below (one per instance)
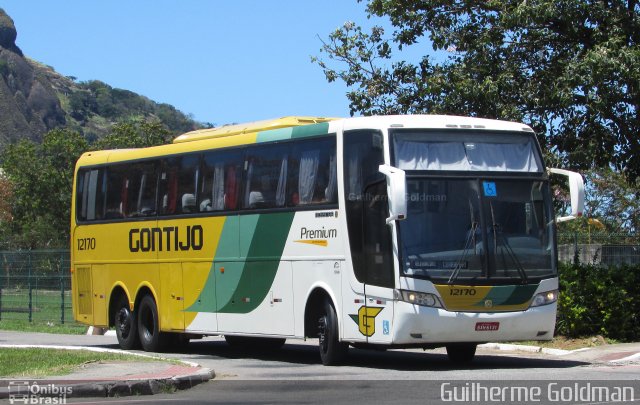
(401, 360)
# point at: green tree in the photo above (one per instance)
(135, 134)
(42, 176)
(613, 200)
(39, 180)
(567, 68)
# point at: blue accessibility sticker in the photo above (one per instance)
(490, 189)
(385, 327)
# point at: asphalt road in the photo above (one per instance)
(294, 375)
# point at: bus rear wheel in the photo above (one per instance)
(151, 338)
(126, 325)
(461, 352)
(332, 351)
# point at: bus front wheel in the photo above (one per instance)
(461, 352)
(332, 351)
(151, 338)
(126, 325)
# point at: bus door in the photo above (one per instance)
(368, 291)
(378, 263)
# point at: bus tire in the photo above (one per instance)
(332, 351)
(461, 352)
(126, 325)
(151, 338)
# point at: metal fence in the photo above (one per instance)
(35, 286)
(609, 249)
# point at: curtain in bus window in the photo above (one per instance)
(355, 175)
(169, 200)
(282, 182)
(141, 208)
(332, 187)
(513, 157)
(431, 156)
(308, 175)
(124, 197)
(231, 189)
(247, 191)
(217, 192)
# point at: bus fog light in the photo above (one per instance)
(545, 298)
(419, 298)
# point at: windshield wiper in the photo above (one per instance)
(471, 241)
(506, 247)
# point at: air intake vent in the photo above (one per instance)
(83, 275)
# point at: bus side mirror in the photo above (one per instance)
(396, 190)
(576, 188)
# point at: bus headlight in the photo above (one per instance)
(420, 298)
(545, 298)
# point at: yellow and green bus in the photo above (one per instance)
(389, 231)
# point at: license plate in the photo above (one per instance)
(487, 326)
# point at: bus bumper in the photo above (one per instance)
(416, 324)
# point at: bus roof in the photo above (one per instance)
(249, 127)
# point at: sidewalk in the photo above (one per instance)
(100, 379)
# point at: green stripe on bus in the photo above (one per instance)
(310, 130)
(262, 263)
(245, 281)
(274, 135)
(521, 294)
(302, 131)
(509, 295)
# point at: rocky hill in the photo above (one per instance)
(34, 99)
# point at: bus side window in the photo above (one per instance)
(266, 176)
(220, 181)
(90, 195)
(115, 192)
(178, 186)
(139, 190)
(313, 178)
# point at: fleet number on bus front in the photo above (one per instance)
(462, 291)
(86, 243)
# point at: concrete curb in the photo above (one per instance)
(525, 348)
(149, 386)
(111, 387)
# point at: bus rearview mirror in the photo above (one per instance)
(576, 189)
(396, 191)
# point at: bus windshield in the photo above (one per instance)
(466, 151)
(477, 230)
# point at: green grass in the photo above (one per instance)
(38, 362)
(70, 328)
(47, 307)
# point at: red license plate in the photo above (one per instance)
(487, 326)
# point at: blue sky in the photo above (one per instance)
(221, 61)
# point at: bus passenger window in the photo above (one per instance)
(178, 185)
(90, 195)
(314, 174)
(267, 173)
(139, 190)
(220, 181)
(115, 192)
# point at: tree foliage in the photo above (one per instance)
(6, 195)
(135, 134)
(40, 180)
(567, 68)
(41, 175)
